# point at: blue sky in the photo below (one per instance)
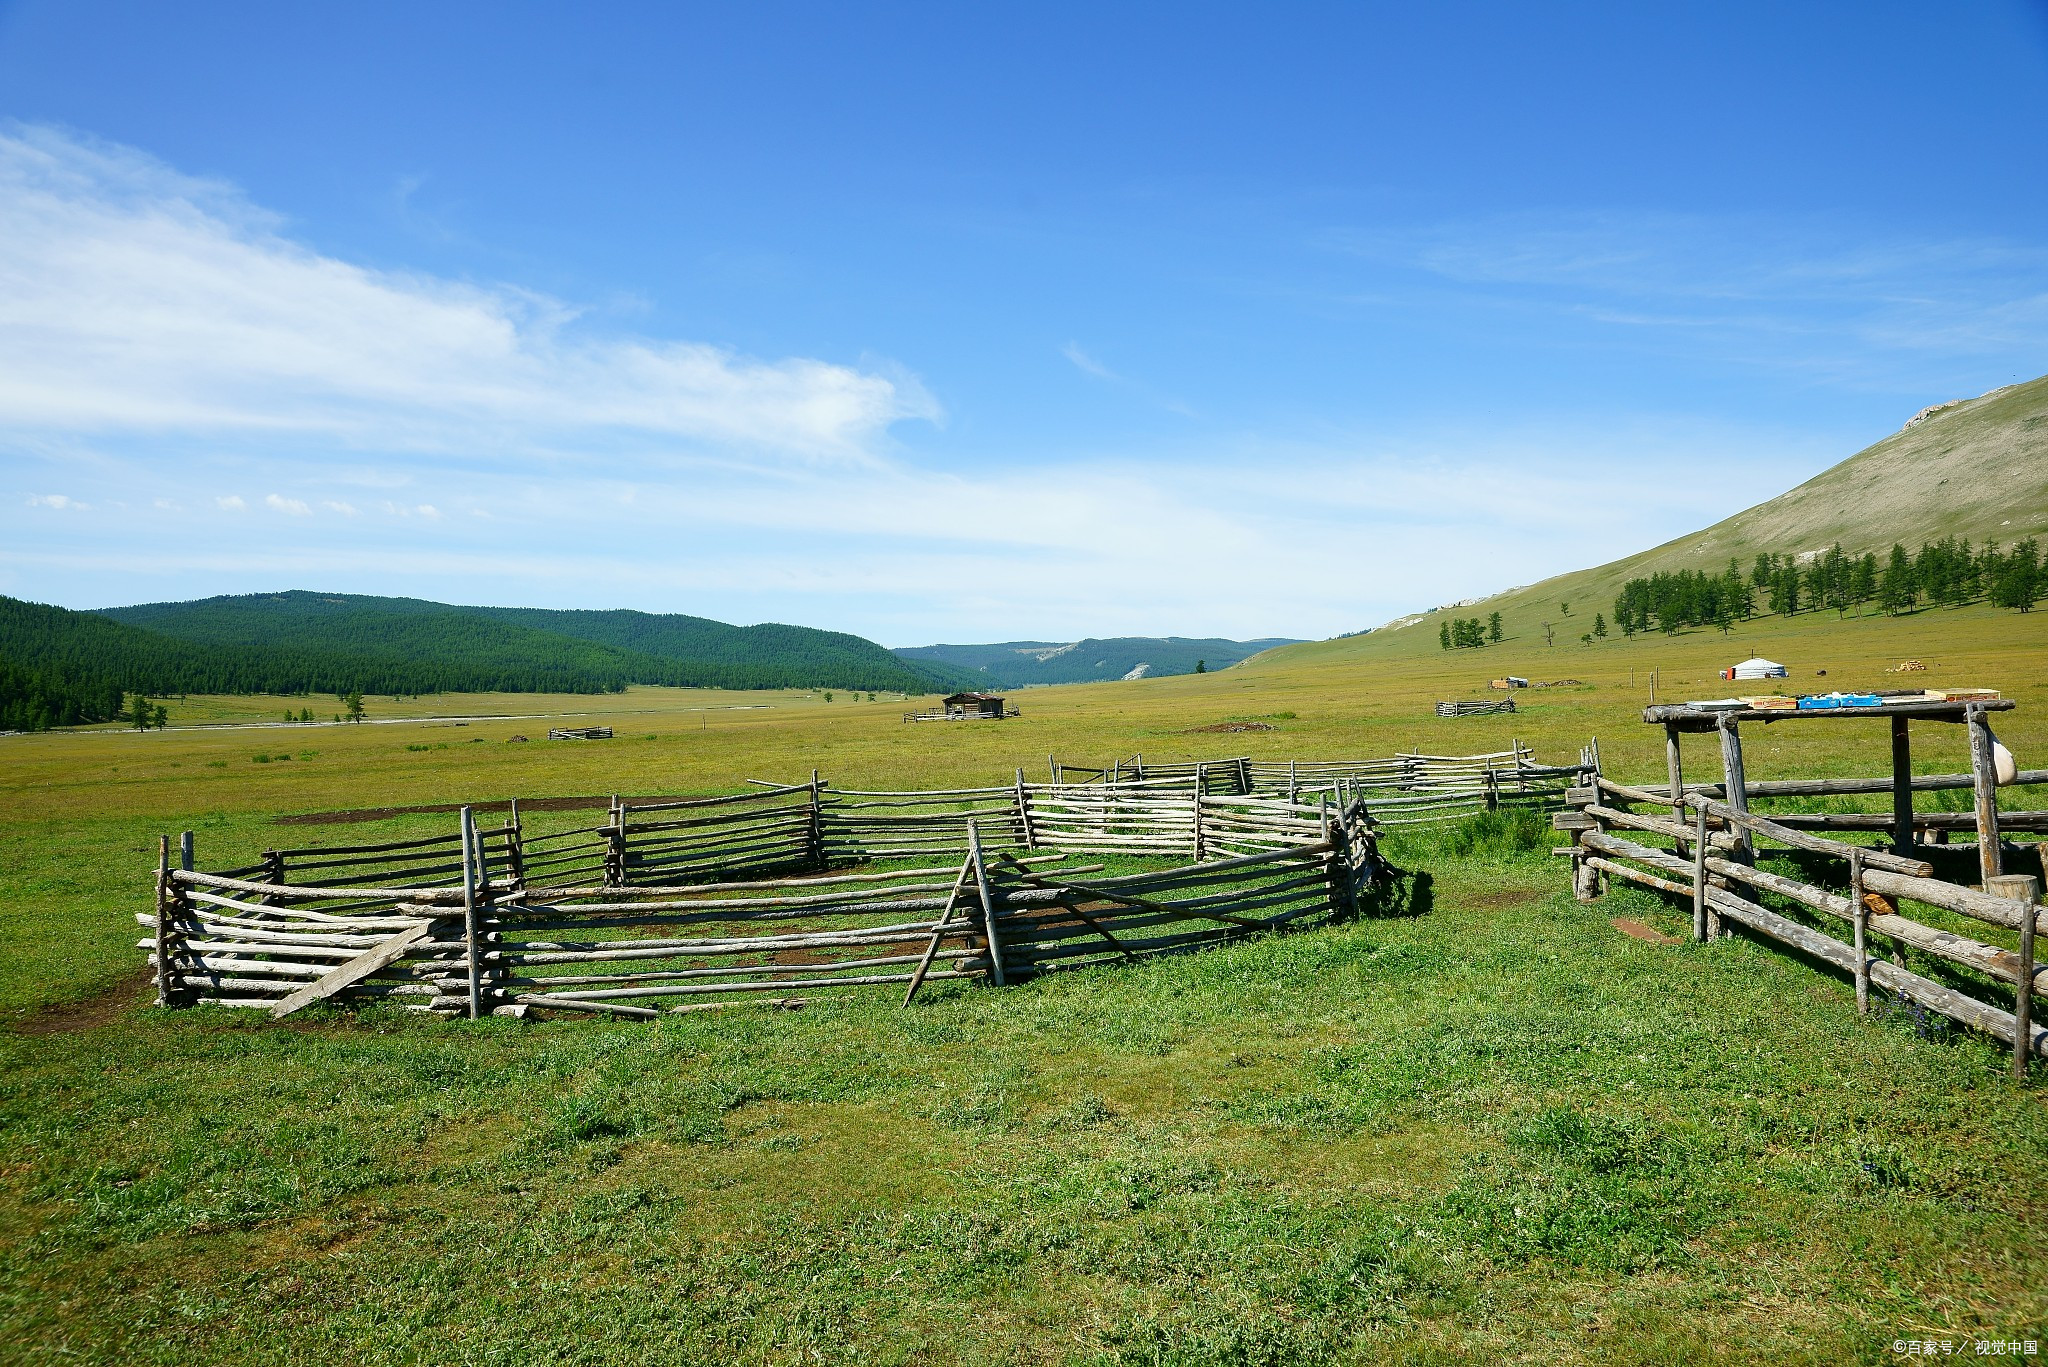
(963, 323)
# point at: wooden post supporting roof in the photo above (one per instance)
(1674, 774)
(1735, 786)
(1983, 770)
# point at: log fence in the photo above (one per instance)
(1834, 900)
(684, 904)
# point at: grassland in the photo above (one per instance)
(1494, 1129)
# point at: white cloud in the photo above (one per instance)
(58, 501)
(135, 299)
(428, 510)
(337, 506)
(295, 507)
(231, 504)
(1087, 364)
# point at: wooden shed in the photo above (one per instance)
(970, 705)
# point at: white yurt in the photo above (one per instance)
(1756, 667)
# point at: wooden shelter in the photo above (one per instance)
(974, 705)
(1680, 718)
(966, 707)
(1713, 854)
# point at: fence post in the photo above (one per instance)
(1024, 814)
(988, 905)
(615, 845)
(1293, 791)
(1700, 930)
(2021, 887)
(1859, 913)
(1198, 814)
(471, 962)
(815, 836)
(515, 848)
(1984, 776)
(163, 921)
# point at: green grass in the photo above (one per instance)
(1487, 1126)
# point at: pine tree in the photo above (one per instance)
(1896, 590)
(1493, 632)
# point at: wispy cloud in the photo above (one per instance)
(136, 299)
(232, 503)
(293, 507)
(61, 502)
(1804, 289)
(1088, 365)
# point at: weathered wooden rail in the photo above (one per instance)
(1703, 843)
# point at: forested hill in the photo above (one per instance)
(821, 657)
(59, 667)
(1014, 664)
(409, 645)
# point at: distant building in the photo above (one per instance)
(964, 706)
(1755, 667)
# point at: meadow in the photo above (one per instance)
(1492, 1126)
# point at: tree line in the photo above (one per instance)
(1469, 633)
(1944, 573)
(66, 668)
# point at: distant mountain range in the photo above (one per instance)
(1018, 664)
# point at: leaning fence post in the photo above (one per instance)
(472, 965)
(1859, 914)
(2026, 889)
(1024, 814)
(988, 905)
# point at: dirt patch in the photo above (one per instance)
(1637, 930)
(1228, 728)
(66, 1018)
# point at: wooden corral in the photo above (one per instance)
(1401, 790)
(764, 893)
(1481, 707)
(1706, 845)
(580, 733)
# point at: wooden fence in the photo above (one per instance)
(1480, 707)
(1401, 790)
(1704, 850)
(710, 899)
